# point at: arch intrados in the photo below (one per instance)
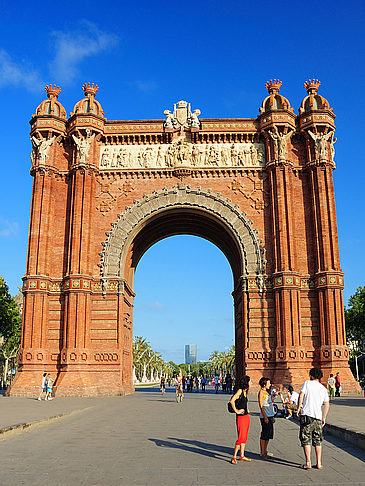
(187, 221)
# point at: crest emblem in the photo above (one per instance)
(181, 112)
(182, 116)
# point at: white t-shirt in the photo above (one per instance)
(294, 397)
(331, 382)
(44, 382)
(315, 395)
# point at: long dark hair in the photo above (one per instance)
(243, 383)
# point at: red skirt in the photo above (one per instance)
(243, 424)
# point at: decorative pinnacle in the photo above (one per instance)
(52, 91)
(312, 86)
(273, 86)
(90, 89)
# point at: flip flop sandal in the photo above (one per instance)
(233, 460)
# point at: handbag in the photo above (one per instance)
(230, 408)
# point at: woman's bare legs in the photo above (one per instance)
(243, 457)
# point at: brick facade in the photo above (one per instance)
(93, 217)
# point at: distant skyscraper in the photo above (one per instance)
(190, 353)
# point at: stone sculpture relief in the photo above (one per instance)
(182, 117)
(321, 143)
(83, 146)
(332, 143)
(40, 150)
(182, 153)
(280, 141)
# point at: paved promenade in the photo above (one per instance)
(147, 439)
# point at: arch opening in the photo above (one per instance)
(188, 302)
(185, 221)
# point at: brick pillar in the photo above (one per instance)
(289, 353)
(333, 353)
(34, 356)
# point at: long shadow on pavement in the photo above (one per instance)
(213, 450)
(345, 446)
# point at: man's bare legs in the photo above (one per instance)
(307, 455)
(318, 450)
(263, 446)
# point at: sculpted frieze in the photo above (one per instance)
(182, 154)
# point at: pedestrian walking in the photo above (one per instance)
(43, 387)
(331, 386)
(204, 382)
(266, 416)
(49, 387)
(229, 383)
(338, 385)
(240, 407)
(312, 418)
(163, 384)
(216, 383)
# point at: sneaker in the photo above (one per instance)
(269, 454)
(39, 399)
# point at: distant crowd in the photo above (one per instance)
(199, 383)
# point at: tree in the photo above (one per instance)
(10, 326)
(355, 321)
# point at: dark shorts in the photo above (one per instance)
(267, 430)
(310, 431)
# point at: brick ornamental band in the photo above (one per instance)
(104, 192)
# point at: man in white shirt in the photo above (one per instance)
(312, 419)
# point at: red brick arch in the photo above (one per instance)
(245, 184)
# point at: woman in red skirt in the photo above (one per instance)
(239, 405)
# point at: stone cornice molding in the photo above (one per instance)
(181, 196)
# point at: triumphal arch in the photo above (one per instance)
(261, 189)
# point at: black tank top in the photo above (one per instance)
(241, 403)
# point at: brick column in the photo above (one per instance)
(333, 352)
(286, 280)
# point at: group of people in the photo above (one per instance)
(313, 395)
(46, 387)
(334, 385)
(191, 383)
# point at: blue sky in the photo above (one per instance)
(145, 56)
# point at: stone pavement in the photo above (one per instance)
(147, 439)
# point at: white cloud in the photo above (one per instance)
(7, 228)
(153, 305)
(71, 48)
(13, 73)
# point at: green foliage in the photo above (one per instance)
(10, 320)
(355, 321)
(223, 362)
